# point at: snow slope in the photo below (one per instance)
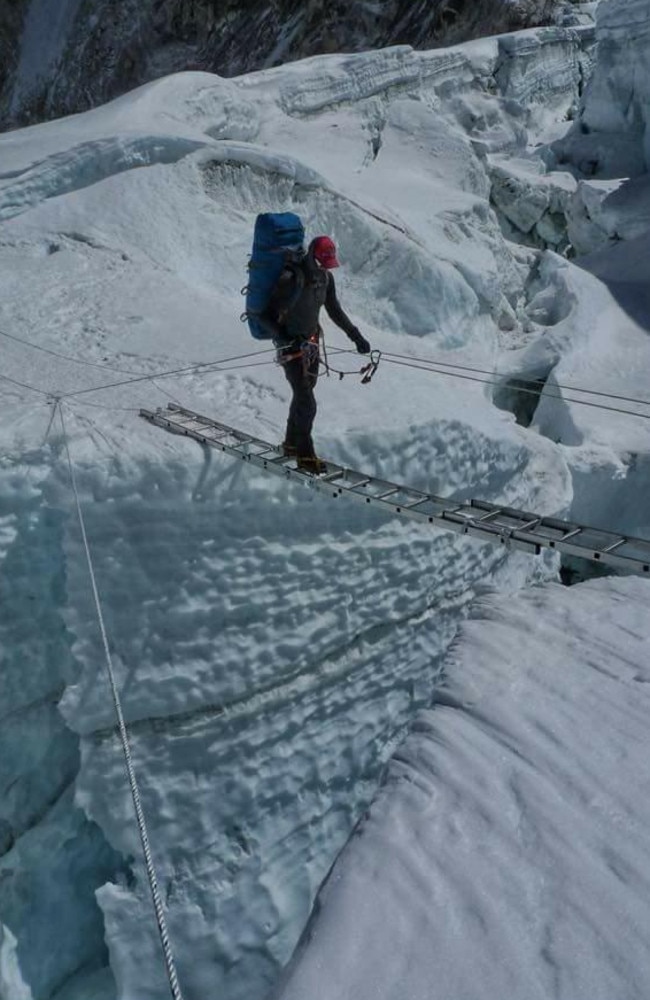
(506, 853)
(272, 647)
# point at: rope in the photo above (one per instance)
(428, 366)
(482, 371)
(65, 357)
(124, 738)
(386, 354)
(188, 370)
(23, 385)
(419, 364)
(534, 392)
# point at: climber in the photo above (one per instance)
(305, 285)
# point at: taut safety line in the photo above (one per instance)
(170, 966)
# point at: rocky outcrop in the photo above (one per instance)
(12, 16)
(64, 57)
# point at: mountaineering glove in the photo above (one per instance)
(360, 342)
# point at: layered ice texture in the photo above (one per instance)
(589, 189)
(273, 648)
(613, 136)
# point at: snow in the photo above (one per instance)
(506, 853)
(273, 648)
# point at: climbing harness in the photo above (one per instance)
(307, 353)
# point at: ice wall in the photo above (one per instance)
(612, 137)
(51, 857)
(587, 190)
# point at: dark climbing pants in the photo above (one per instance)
(302, 374)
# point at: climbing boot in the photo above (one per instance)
(310, 463)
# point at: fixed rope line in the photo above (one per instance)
(23, 385)
(389, 355)
(187, 370)
(124, 738)
(418, 364)
(483, 371)
(114, 368)
(124, 371)
(136, 409)
(65, 357)
(534, 392)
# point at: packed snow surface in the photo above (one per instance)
(273, 647)
(507, 851)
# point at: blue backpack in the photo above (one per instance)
(279, 238)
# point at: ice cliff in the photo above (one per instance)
(587, 189)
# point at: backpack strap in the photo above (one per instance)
(293, 264)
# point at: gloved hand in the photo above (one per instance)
(362, 345)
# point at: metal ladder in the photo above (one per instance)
(489, 522)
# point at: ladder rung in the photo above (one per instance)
(360, 484)
(203, 427)
(331, 476)
(416, 503)
(215, 433)
(177, 416)
(614, 545)
(569, 534)
(191, 423)
(529, 525)
(241, 439)
(388, 493)
(486, 517)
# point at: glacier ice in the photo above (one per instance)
(272, 647)
(612, 138)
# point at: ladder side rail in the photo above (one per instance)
(593, 539)
(552, 523)
(605, 558)
(209, 422)
(528, 541)
(199, 433)
(461, 518)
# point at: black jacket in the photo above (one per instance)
(294, 307)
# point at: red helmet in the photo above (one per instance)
(325, 252)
